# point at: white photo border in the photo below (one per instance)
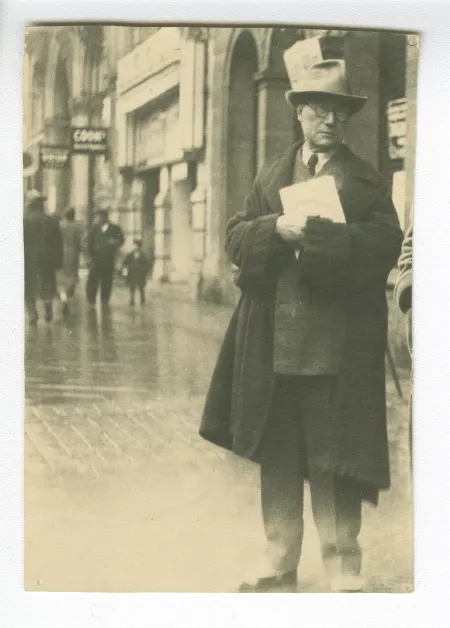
(428, 605)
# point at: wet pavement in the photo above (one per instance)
(120, 492)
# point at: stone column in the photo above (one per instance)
(215, 284)
(80, 166)
(275, 117)
(56, 180)
(198, 202)
(162, 266)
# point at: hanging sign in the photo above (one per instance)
(54, 156)
(396, 115)
(89, 140)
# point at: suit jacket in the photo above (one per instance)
(103, 245)
(343, 270)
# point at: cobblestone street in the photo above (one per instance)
(120, 492)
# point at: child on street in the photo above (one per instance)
(136, 268)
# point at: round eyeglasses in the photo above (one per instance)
(342, 113)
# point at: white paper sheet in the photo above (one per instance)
(317, 197)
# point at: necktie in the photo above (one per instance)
(312, 163)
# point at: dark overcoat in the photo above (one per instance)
(103, 244)
(344, 269)
(137, 268)
(43, 252)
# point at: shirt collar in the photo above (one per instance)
(322, 158)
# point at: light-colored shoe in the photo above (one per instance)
(347, 583)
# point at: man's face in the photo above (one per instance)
(324, 122)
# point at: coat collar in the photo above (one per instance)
(355, 179)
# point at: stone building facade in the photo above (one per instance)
(192, 113)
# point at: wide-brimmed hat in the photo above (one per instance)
(327, 78)
(33, 196)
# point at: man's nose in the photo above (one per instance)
(330, 118)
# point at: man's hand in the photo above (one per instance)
(290, 228)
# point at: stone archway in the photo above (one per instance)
(241, 122)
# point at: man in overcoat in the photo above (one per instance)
(104, 240)
(43, 252)
(299, 385)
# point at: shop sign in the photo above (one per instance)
(396, 115)
(54, 156)
(89, 140)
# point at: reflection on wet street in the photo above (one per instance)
(121, 494)
(111, 352)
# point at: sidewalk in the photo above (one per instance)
(120, 492)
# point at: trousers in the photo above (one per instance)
(285, 464)
(132, 285)
(100, 275)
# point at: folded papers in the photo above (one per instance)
(317, 197)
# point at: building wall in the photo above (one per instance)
(232, 118)
(68, 80)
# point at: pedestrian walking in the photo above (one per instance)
(136, 268)
(403, 297)
(104, 240)
(43, 256)
(67, 277)
(403, 287)
(299, 384)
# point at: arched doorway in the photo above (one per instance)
(242, 122)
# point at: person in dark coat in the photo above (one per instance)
(403, 297)
(136, 267)
(403, 287)
(299, 385)
(104, 240)
(43, 253)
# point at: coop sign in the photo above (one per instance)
(89, 140)
(396, 115)
(54, 157)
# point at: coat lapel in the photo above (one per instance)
(357, 185)
(279, 175)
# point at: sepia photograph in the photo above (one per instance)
(217, 241)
